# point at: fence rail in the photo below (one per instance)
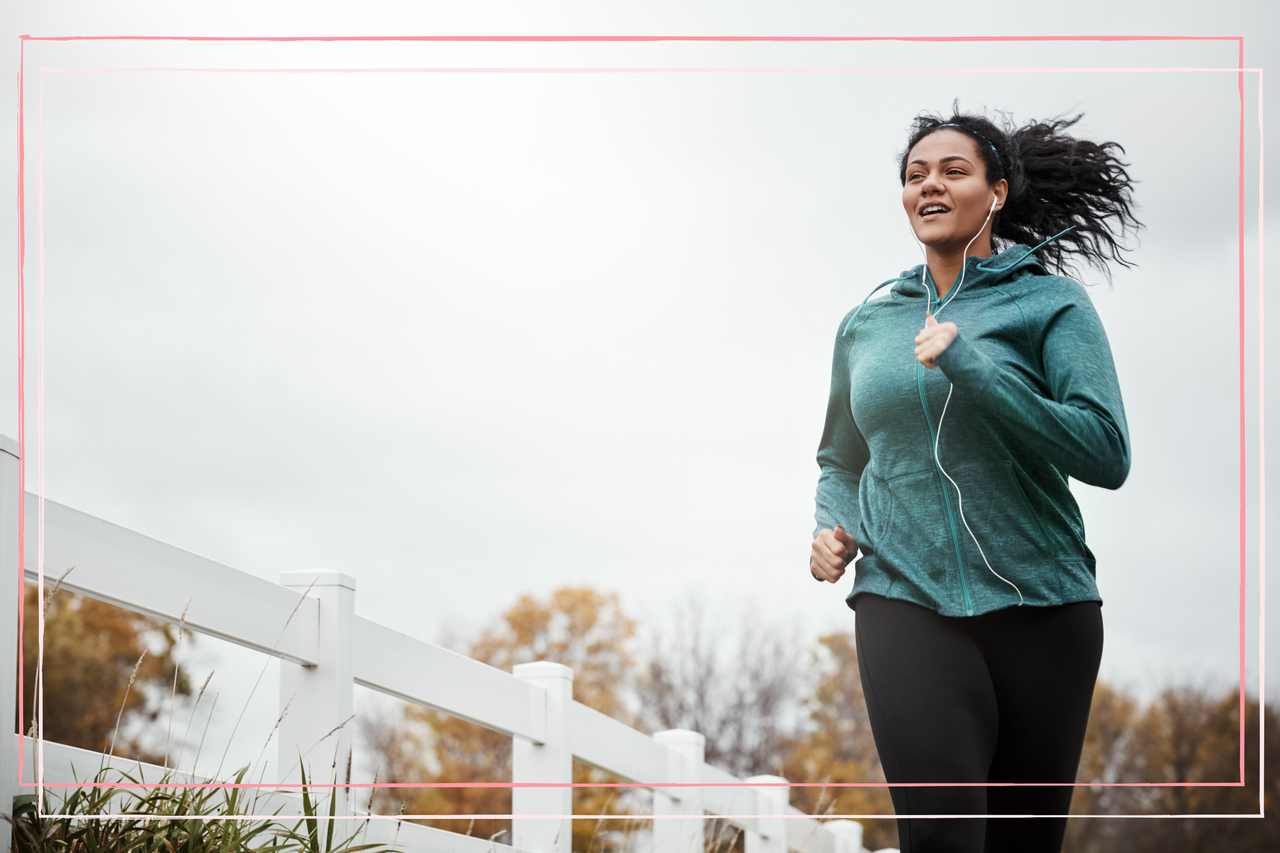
(309, 622)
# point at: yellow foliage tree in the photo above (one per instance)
(1187, 735)
(839, 747)
(91, 650)
(577, 626)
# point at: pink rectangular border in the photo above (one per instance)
(1240, 70)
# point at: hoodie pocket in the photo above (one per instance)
(876, 503)
(1035, 506)
(1003, 518)
(919, 540)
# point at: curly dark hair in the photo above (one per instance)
(1055, 181)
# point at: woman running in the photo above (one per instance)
(960, 405)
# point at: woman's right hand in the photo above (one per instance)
(831, 554)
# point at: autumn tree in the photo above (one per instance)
(92, 653)
(577, 626)
(733, 677)
(768, 705)
(1186, 735)
(837, 746)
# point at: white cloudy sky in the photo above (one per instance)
(465, 336)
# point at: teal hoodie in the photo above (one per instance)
(1035, 401)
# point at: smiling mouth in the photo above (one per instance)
(933, 210)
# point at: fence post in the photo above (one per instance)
(549, 761)
(10, 646)
(686, 752)
(848, 835)
(319, 698)
(771, 801)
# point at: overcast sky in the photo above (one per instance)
(470, 335)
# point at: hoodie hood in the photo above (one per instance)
(979, 273)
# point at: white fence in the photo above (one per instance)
(326, 649)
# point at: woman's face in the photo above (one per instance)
(946, 195)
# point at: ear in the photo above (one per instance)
(1001, 189)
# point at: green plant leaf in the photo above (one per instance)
(333, 804)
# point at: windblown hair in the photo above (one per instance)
(1055, 181)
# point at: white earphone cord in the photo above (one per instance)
(938, 433)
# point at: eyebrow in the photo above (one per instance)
(943, 160)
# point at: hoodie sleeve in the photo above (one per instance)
(1080, 427)
(842, 453)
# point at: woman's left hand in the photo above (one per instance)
(933, 339)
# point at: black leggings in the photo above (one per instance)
(1002, 697)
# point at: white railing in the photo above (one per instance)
(326, 649)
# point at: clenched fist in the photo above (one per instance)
(933, 339)
(831, 554)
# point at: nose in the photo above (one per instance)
(930, 184)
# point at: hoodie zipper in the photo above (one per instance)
(933, 436)
(946, 495)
